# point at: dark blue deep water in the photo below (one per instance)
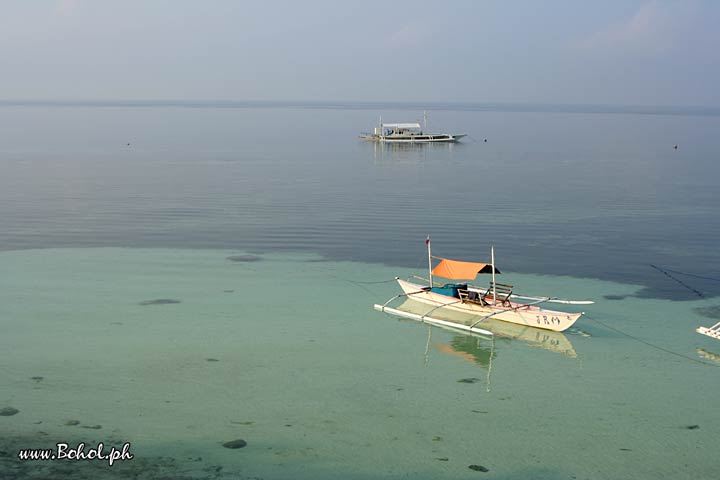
(586, 192)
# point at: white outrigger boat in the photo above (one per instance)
(496, 301)
(712, 332)
(409, 133)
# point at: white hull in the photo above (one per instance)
(518, 313)
(425, 138)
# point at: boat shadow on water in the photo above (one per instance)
(477, 348)
(475, 345)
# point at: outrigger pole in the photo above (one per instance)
(432, 320)
(427, 242)
(492, 264)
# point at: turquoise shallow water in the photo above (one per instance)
(322, 386)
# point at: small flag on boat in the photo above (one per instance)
(427, 240)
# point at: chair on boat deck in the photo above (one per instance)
(472, 297)
(502, 292)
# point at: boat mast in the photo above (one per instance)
(427, 242)
(424, 121)
(492, 264)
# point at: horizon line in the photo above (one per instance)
(375, 104)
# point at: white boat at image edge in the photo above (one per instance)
(496, 301)
(409, 133)
(712, 332)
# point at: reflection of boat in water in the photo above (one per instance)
(469, 348)
(410, 153)
(546, 339)
(708, 355)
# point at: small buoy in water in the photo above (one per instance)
(485, 140)
(675, 146)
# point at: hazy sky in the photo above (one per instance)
(540, 51)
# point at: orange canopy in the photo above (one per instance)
(457, 270)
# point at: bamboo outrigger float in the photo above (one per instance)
(496, 301)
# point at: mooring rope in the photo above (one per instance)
(361, 284)
(697, 292)
(644, 342)
(693, 275)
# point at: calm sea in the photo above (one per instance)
(122, 311)
(601, 195)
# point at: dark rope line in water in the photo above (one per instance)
(367, 290)
(362, 284)
(662, 349)
(697, 292)
(693, 275)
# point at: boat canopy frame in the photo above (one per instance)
(403, 126)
